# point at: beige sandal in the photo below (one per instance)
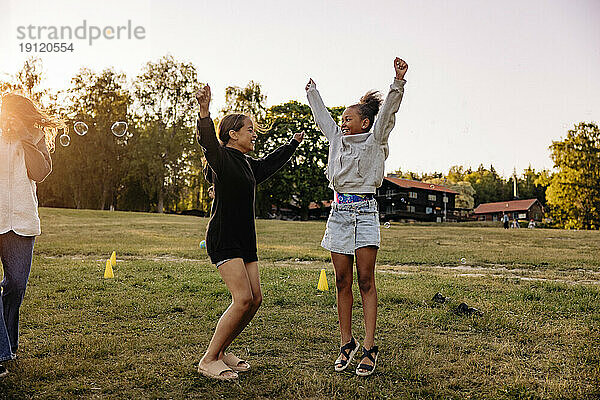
(215, 370)
(234, 362)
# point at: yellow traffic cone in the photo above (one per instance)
(108, 271)
(113, 259)
(322, 286)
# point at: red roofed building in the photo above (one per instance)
(405, 199)
(515, 209)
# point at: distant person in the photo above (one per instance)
(531, 224)
(231, 234)
(515, 224)
(505, 220)
(27, 136)
(357, 153)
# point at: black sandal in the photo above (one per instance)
(369, 369)
(348, 350)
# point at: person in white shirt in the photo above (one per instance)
(355, 169)
(27, 136)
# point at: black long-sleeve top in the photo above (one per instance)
(231, 232)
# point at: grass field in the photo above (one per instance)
(142, 334)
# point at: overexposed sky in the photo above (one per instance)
(488, 82)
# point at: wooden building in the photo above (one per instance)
(404, 199)
(527, 209)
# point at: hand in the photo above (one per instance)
(401, 67)
(299, 136)
(203, 97)
(310, 83)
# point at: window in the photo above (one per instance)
(412, 195)
(432, 197)
(389, 193)
(522, 216)
(411, 209)
(428, 210)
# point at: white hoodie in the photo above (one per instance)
(18, 193)
(356, 162)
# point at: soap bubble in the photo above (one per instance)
(432, 186)
(65, 140)
(119, 129)
(387, 225)
(80, 128)
(463, 261)
(203, 244)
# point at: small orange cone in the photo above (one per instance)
(322, 286)
(108, 271)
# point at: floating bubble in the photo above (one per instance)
(463, 261)
(403, 200)
(80, 128)
(65, 140)
(432, 186)
(119, 129)
(203, 244)
(387, 225)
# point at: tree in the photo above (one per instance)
(302, 180)
(574, 191)
(248, 100)
(89, 172)
(489, 186)
(165, 145)
(531, 187)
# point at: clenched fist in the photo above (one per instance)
(401, 67)
(203, 97)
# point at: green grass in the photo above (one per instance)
(142, 334)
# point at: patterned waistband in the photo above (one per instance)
(345, 198)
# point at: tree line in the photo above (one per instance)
(157, 166)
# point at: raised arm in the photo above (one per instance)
(265, 167)
(322, 117)
(387, 119)
(206, 136)
(37, 157)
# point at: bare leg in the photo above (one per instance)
(254, 278)
(236, 278)
(342, 264)
(365, 266)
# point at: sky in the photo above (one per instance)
(490, 83)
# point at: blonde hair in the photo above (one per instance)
(33, 116)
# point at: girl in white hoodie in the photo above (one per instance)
(27, 136)
(357, 152)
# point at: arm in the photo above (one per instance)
(265, 167)
(206, 136)
(322, 117)
(387, 119)
(37, 159)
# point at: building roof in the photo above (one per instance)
(506, 206)
(410, 184)
(314, 206)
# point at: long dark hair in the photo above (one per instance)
(368, 106)
(230, 122)
(28, 112)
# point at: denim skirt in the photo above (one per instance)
(351, 226)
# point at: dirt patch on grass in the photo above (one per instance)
(577, 277)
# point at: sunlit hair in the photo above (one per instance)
(368, 106)
(235, 122)
(27, 111)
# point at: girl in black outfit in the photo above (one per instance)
(231, 234)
